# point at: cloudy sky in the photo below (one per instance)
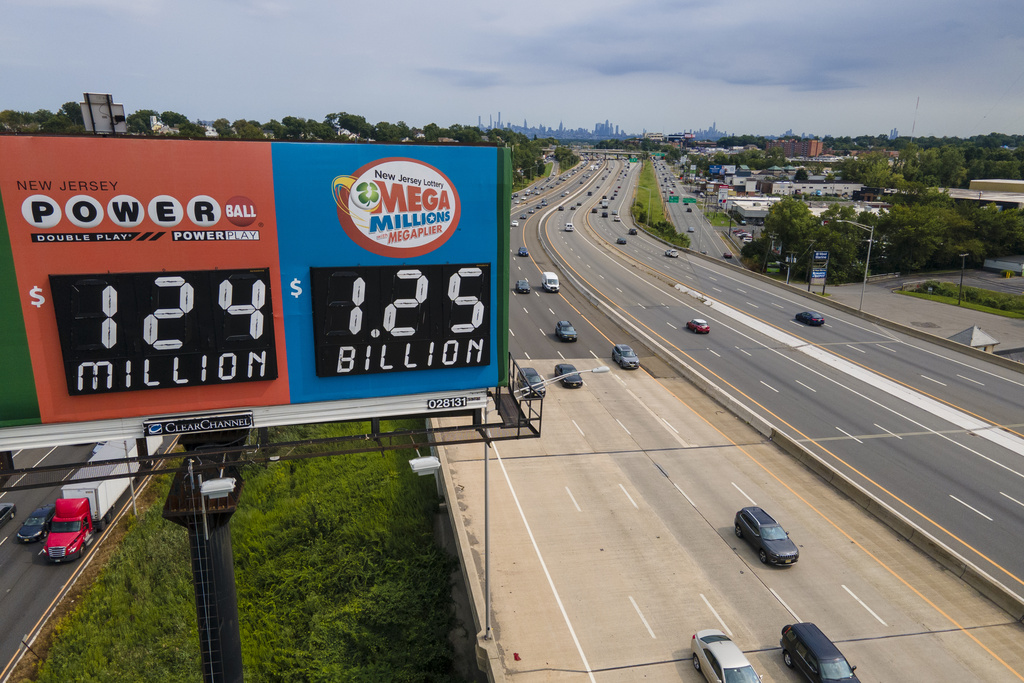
(816, 68)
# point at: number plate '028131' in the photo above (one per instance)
(443, 403)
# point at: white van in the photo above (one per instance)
(549, 281)
(568, 227)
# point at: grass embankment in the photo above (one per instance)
(521, 182)
(974, 298)
(719, 219)
(648, 210)
(647, 202)
(337, 572)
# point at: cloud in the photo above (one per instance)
(822, 65)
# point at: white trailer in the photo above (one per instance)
(103, 495)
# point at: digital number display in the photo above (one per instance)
(381, 319)
(139, 331)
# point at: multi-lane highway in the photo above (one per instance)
(30, 585)
(633, 486)
(28, 582)
(928, 431)
(931, 432)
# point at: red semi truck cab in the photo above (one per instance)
(70, 531)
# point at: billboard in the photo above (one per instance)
(143, 277)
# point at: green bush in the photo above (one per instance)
(138, 622)
(337, 572)
(982, 297)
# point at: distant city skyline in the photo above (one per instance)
(607, 130)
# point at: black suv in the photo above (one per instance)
(565, 331)
(766, 536)
(530, 384)
(807, 649)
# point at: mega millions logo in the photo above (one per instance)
(397, 207)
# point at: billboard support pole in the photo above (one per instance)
(205, 518)
(487, 531)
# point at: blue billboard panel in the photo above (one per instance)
(385, 251)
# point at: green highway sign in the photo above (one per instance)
(674, 199)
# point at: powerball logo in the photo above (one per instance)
(397, 207)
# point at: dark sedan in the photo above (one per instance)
(570, 376)
(523, 251)
(7, 512)
(37, 526)
(522, 286)
(810, 318)
(621, 240)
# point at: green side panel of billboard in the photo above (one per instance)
(504, 208)
(18, 402)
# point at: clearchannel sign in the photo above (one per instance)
(397, 207)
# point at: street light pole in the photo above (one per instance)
(963, 261)
(867, 261)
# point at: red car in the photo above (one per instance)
(727, 254)
(699, 326)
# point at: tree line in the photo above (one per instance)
(527, 153)
(877, 161)
(921, 231)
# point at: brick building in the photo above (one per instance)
(798, 148)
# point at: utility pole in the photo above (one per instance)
(767, 250)
(810, 264)
(960, 293)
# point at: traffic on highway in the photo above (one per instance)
(661, 528)
(923, 430)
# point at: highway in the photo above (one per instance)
(622, 513)
(31, 586)
(932, 433)
(28, 582)
(910, 422)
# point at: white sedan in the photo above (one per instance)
(718, 658)
(515, 224)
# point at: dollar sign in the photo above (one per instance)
(37, 297)
(296, 290)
